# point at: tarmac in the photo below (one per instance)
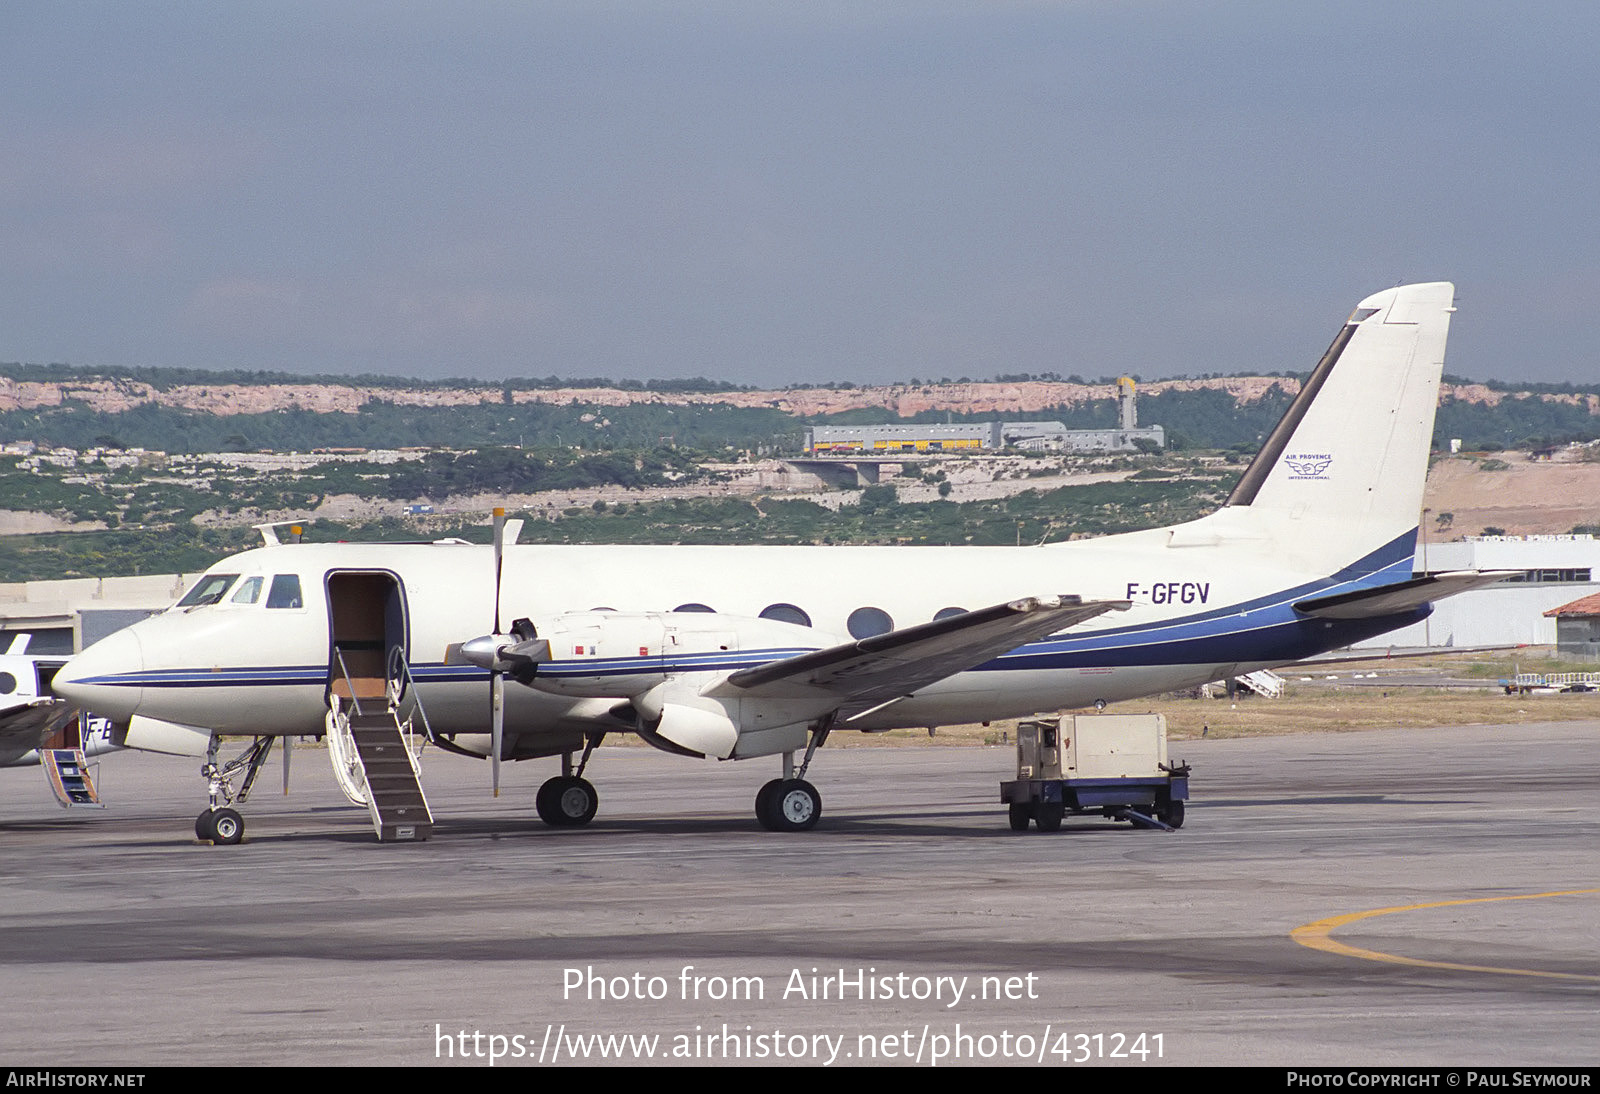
(911, 926)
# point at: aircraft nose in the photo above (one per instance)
(106, 678)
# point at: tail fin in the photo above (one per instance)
(1353, 446)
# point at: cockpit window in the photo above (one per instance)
(208, 590)
(249, 591)
(285, 592)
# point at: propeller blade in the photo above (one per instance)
(499, 553)
(497, 682)
(497, 717)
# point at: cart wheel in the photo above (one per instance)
(1172, 815)
(1020, 814)
(1047, 815)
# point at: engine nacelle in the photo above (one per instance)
(709, 732)
(623, 655)
(676, 716)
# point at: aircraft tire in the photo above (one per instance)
(796, 807)
(1020, 814)
(545, 802)
(766, 813)
(1047, 815)
(227, 826)
(566, 801)
(202, 828)
(577, 802)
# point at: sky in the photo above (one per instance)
(785, 193)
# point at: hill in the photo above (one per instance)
(180, 411)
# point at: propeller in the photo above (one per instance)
(497, 680)
(517, 653)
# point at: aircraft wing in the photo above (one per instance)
(1400, 597)
(879, 670)
(24, 726)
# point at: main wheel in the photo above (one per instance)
(567, 801)
(796, 806)
(1047, 815)
(545, 801)
(766, 811)
(578, 803)
(227, 826)
(1020, 814)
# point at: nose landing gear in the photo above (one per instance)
(219, 824)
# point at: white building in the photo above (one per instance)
(1554, 570)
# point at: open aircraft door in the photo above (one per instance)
(368, 633)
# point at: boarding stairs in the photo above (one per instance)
(70, 778)
(374, 750)
(1263, 682)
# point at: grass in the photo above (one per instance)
(1324, 706)
(1310, 711)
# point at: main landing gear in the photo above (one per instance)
(220, 824)
(569, 800)
(790, 804)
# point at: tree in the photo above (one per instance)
(875, 499)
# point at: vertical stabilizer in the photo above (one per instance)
(1352, 449)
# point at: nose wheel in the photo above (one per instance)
(219, 826)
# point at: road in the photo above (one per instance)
(125, 942)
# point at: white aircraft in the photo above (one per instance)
(38, 728)
(741, 652)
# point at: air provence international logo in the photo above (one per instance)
(1308, 465)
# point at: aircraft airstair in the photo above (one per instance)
(69, 775)
(394, 792)
(375, 764)
(1263, 682)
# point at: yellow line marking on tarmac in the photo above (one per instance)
(1318, 936)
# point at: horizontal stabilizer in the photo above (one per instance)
(1354, 655)
(1402, 597)
(889, 666)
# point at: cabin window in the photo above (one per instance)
(786, 613)
(8, 683)
(208, 590)
(695, 608)
(946, 613)
(249, 590)
(867, 622)
(285, 592)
